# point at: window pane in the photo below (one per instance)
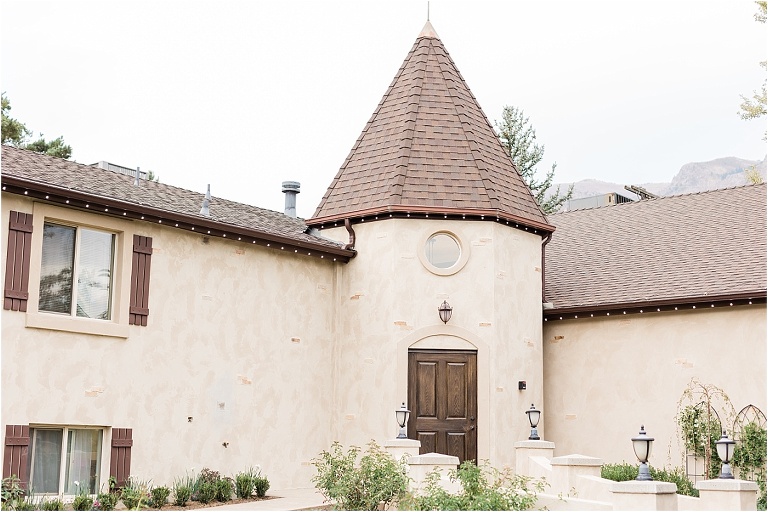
(442, 250)
(94, 274)
(56, 269)
(46, 461)
(83, 460)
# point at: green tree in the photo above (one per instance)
(15, 133)
(519, 140)
(755, 107)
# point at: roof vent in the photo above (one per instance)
(206, 203)
(291, 189)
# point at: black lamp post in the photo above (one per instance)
(402, 418)
(725, 449)
(445, 311)
(534, 415)
(642, 445)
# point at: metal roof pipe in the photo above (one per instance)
(291, 189)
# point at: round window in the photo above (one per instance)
(442, 250)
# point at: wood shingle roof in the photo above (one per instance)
(429, 147)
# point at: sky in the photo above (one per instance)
(243, 95)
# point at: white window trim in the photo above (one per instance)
(103, 458)
(116, 327)
(463, 251)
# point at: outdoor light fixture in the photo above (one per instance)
(642, 445)
(445, 311)
(402, 418)
(534, 415)
(725, 449)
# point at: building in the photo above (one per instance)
(230, 336)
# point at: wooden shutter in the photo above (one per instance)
(17, 262)
(16, 453)
(120, 459)
(142, 258)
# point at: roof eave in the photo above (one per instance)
(60, 195)
(452, 213)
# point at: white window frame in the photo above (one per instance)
(63, 457)
(123, 229)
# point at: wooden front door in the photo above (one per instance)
(442, 396)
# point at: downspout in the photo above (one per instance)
(351, 244)
(543, 266)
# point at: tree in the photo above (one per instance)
(755, 107)
(15, 133)
(519, 140)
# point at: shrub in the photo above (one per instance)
(107, 500)
(224, 489)
(181, 494)
(625, 471)
(482, 488)
(377, 479)
(206, 492)
(244, 484)
(82, 502)
(135, 493)
(12, 493)
(261, 485)
(54, 504)
(159, 496)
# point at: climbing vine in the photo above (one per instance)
(750, 457)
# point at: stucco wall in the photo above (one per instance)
(239, 339)
(388, 301)
(605, 377)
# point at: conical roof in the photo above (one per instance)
(428, 148)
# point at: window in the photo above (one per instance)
(65, 460)
(76, 271)
(443, 253)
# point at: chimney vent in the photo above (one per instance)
(291, 189)
(205, 210)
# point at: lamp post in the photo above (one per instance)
(445, 310)
(402, 418)
(725, 449)
(642, 445)
(534, 415)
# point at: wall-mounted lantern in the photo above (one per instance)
(445, 310)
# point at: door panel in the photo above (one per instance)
(442, 388)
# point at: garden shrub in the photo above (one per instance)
(181, 494)
(159, 496)
(261, 485)
(625, 471)
(482, 488)
(206, 492)
(82, 502)
(107, 500)
(53, 504)
(224, 489)
(375, 480)
(244, 484)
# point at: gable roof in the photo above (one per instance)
(74, 184)
(706, 246)
(428, 148)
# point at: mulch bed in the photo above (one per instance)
(192, 505)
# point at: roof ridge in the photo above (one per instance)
(661, 198)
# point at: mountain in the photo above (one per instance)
(692, 177)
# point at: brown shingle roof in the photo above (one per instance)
(36, 170)
(429, 146)
(704, 245)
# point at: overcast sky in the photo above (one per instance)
(246, 94)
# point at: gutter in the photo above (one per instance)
(198, 224)
(543, 266)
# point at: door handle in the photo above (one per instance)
(471, 427)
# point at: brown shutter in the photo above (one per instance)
(142, 258)
(120, 460)
(16, 453)
(17, 262)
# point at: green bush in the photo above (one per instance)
(206, 492)
(181, 494)
(12, 493)
(244, 484)
(376, 479)
(135, 494)
(625, 471)
(159, 496)
(107, 500)
(54, 504)
(261, 485)
(482, 488)
(224, 489)
(750, 457)
(82, 502)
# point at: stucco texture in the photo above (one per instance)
(605, 377)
